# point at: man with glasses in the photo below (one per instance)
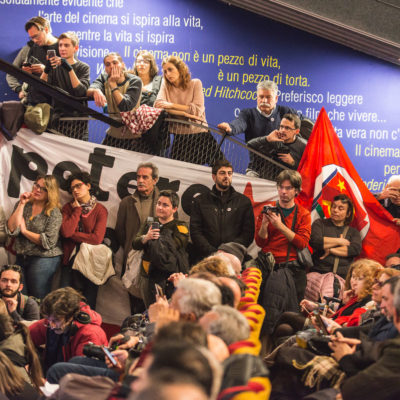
(284, 229)
(20, 307)
(390, 198)
(282, 144)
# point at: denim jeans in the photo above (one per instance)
(38, 274)
(80, 365)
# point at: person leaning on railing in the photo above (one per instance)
(183, 96)
(120, 91)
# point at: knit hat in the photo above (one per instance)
(234, 248)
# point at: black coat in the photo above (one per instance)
(220, 217)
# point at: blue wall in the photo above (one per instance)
(229, 49)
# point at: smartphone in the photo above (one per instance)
(155, 225)
(109, 355)
(159, 290)
(26, 64)
(321, 324)
(51, 53)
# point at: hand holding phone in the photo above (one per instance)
(109, 355)
(159, 290)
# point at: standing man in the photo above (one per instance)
(164, 242)
(283, 144)
(71, 75)
(221, 215)
(134, 210)
(39, 31)
(286, 229)
(19, 306)
(260, 120)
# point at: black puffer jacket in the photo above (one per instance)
(220, 217)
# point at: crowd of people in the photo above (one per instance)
(329, 321)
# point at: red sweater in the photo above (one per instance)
(276, 242)
(93, 225)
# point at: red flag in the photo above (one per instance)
(327, 171)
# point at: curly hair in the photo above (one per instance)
(182, 68)
(215, 265)
(367, 269)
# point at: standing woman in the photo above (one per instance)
(183, 96)
(84, 220)
(146, 69)
(35, 223)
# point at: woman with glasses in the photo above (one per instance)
(183, 96)
(145, 67)
(35, 224)
(84, 220)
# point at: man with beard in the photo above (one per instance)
(20, 306)
(220, 215)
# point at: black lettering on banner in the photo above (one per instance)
(59, 171)
(99, 159)
(124, 184)
(20, 167)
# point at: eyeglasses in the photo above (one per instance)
(39, 188)
(77, 186)
(142, 61)
(286, 128)
(54, 323)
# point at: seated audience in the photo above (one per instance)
(84, 221)
(35, 224)
(16, 343)
(68, 325)
(119, 91)
(12, 384)
(73, 76)
(390, 198)
(183, 96)
(19, 306)
(283, 145)
(355, 302)
(145, 67)
(393, 261)
(164, 243)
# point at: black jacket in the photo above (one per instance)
(220, 217)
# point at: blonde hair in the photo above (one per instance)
(182, 68)
(214, 265)
(367, 269)
(53, 193)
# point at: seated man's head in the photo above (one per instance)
(68, 45)
(222, 173)
(194, 297)
(289, 128)
(60, 307)
(267, 96)
(11, 278)
(393, 185)
(396, 301)
(39, 30)
(381, 277)
(393, 261)
(146, 178)
(167, 205)
(387, 300)
(227, 323)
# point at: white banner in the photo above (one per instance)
(28, 155)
